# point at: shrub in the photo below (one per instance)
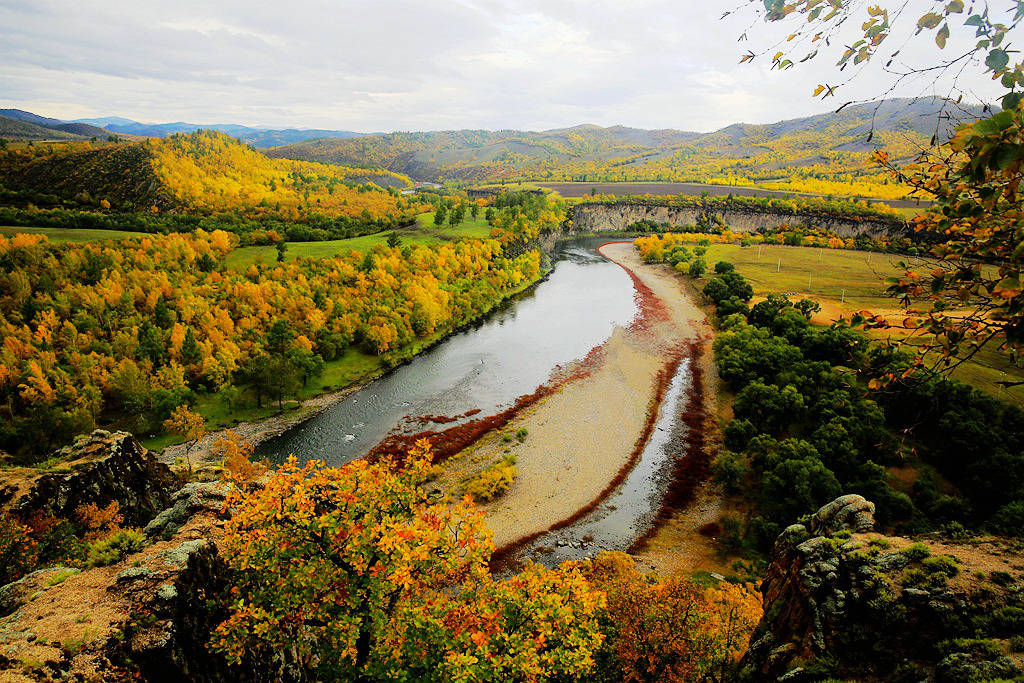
(1007, 621)
(116, 547)
(941, 564)
(916, 552)
(723, 267)
(18, 552)
(493, 481)
(697, 267)
(730, 471)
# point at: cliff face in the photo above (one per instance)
(841, 601)
(604, 217)
(102, 467)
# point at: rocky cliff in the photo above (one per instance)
(841, 601)
(100, 468)
(604, 217)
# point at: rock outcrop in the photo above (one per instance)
(613, 216)
(842, 601)
(147, 617)
(101, 468)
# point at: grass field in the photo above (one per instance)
(423, 232)
(71, 234)
(835, 274)
(845, 282)
(355, 366)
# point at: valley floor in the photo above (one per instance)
(585, 434)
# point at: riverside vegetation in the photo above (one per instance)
(363, 572)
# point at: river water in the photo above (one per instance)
(486, 367)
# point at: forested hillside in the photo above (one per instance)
(828, 153)
(204, 173)
(123, 332)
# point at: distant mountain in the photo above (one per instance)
(831, 146)
(257, 137)
(44, 125)
(21, 130)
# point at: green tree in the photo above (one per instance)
(151, 343)
(698, 266)
(190, 352)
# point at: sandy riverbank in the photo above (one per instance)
(583, 435)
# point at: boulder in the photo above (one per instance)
(104, 467)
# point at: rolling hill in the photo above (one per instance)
(827, 149)
(207, 173)
(73, 130)
(23, 131)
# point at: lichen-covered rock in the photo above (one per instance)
(191, 499)
(850, 512)
(17, 593)
(105, 467)
(843, 602)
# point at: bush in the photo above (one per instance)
(941, 564)
(493, 481)
(116, 547)
(697, 267)
(18, 552)
(730, 471)
(916, 552)
(723, 267)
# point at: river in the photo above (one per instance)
(485, 368)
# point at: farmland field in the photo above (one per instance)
(845, 282)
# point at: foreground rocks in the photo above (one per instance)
(100, 468)
(842, 601)
(148, 616)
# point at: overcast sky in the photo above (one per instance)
(382, 65)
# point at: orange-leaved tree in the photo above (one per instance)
(669, 629)
(190, 426)
(357, 573)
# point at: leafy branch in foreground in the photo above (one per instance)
(820, 23)
(973, 279)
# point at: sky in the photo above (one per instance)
(384, 65)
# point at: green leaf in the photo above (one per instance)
(997, 60)
(1011, 100)
(941, 36)
(994, 124)
(974, 20)
(930, 20)
(955, 7)
(1007, 155)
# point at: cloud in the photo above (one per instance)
(375, 65)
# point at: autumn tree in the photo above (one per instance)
(672, 629)
(359, 574)
(235, 457)
(188, 425)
